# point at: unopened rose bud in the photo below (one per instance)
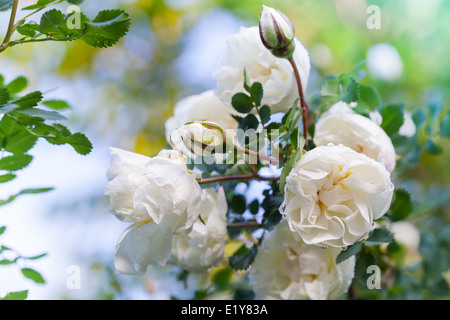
(277, 32)
(203, 138)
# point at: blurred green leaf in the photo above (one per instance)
(17, 85)
(24, 192)
(15, 162)
(349, 252)
(56, 104)
(378, 236)
(401, 206)
(393, 118)
(363, 261)
(5, 4)
(18, 295)
(32, 275)
(243, 257)
(432, 147)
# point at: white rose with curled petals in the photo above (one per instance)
(333, 195)
(204, 106)
(287, 268)
(341, 125)
(245, 50)
(160, 196)
(204, 246)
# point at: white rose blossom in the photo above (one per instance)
(407, 235)
(333, 195)
(341, 125)
(245, 51)
(204, 246)
(287, 268)
(160, 196)
(204, 106)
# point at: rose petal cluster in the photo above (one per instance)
(162, 199)
(333, 195)
(341, 125)
(286, 268)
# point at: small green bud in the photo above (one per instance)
(277, 32)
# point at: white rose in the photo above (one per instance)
(245, 50)
(407, 235)
(125, 175)
(160, 196)
(204, 246)
(333, 195)
(204, 106)
(287, 268)
(341, 125)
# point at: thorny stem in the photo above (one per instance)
(246, 224)
(248, 176)
(303, 104)
(256, 154)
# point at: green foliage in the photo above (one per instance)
(105, 30)
(33, 275)
(243, 257)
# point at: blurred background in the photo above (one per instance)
(122, 95)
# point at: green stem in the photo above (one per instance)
(11, 26)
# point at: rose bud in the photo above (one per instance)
(277, 32)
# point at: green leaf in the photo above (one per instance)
(249, 122)
(30, 100)
(5, 4)
(379, 236)
(362, 263)
(40, 4)
(222, 278)
(44, 114)
(349, 252)
(75, 1)
(393, 118)
(32, 275)
(4, 96)
(15, 162)
(432, 147)
(253, 207)
(53, 22)
(238, 204)
(288, 167)
(5, 262)
(264, 114)
(401, 206)
(80, 143)
(242, 103)
(445, 126)
(28, 29)
(24, 192)
(256, 93)
(36, 257)
(17, 85)
(2, 230)
(107, 28)
(56, 104)
(7, 177)
(243, 258)
(17, 139)
(349, 89)
(17, 295)
(369, 97)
